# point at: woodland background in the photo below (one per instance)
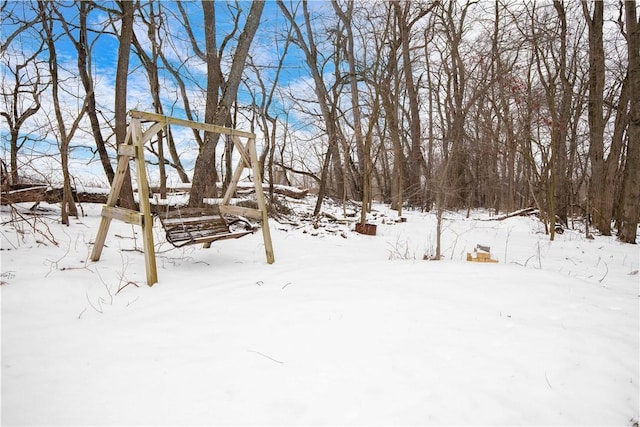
(424, 104)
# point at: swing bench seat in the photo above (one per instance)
(191, 226)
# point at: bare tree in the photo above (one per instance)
(15, 20)
(406, 18)
(179, 73)
(631, 206)
(501, 119)
(23, 86)
(595, 113)
(268, 119)
(152, 18)
(65, 134)
(83, 48)
(305, 40)
(125, 37)
(363, 147)
(221, 94)
(465, 104)
(390, 93)
(556, 62)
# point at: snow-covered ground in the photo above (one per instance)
(342, 329)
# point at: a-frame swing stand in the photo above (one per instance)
(133, 149)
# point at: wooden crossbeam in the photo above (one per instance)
(127, 150)
(190, 124)
(242, 150)
(125, 215)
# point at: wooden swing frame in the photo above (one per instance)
(133, 149)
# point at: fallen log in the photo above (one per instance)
(42, 193)
(520, 212)
(32, 195)
(285, 190)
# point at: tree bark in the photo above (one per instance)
(631, 205)
(416, 159)
(561, 175)
(594, 111)
(613, 167)
(122, 71)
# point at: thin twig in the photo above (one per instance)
(127, 284)
(133, 250)
(264, 355)
(93, 306)
(9, 241)
(605, 274)
(528, 259)
(547, 378)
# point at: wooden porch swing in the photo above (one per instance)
(185, 226)
(190, 226)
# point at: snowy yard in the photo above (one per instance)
(340, 330)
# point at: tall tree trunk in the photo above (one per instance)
(561, 125)
(391, 116)
(416, 159)
(206, 178)
(613, 168)
(122, 71)
(631, 205)
(13, 161)
(456, 180)
(596, 120)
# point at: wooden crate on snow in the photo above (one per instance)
(481, 254)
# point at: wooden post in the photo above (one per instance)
(118, 179)
(114, 193)
(249, 159)
(139, 140)
(244, 162)
(133, 147)
(262, 205)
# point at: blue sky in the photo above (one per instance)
(105, 48)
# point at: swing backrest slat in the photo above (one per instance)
(188, 226)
